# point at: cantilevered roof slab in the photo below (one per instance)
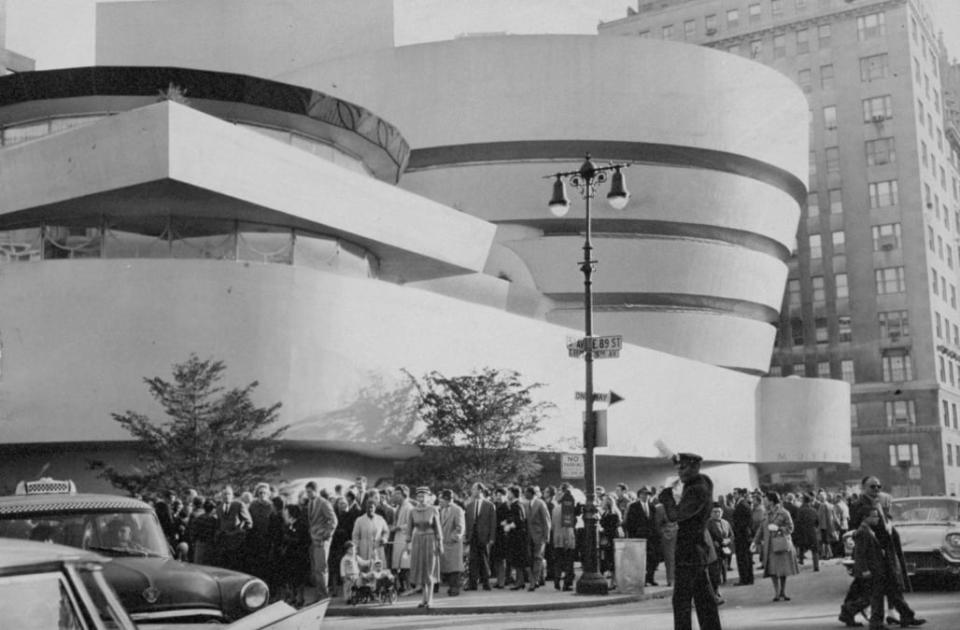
(167, 159)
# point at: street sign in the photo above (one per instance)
(606, 347)
(571, 466)
(610, 397)
(598, 437)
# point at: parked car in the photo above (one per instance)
(51, 586)
(929, 529)
(45, 585)
(152, 586)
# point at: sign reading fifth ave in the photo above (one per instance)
(606, 347)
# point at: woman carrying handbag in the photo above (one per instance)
(774, 538)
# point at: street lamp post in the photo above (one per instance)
(586, 180)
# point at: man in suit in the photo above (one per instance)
(322, 522)
(234, 521)
(538, 533)
(640, 522)
(549, 497)
(481, 522)
(869, 565)
(452, 529)
(742, 535)
(894, 570)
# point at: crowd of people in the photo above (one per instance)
(523, 537)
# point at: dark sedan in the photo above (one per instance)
(152, 586)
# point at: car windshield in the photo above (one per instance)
(924, 510)
(119, 533)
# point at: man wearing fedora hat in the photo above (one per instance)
(640, 522)
(692, 583)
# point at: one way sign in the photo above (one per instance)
(610, 397)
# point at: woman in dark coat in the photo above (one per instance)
(348, 511)
(275, 530)
(609, 530)
(518, 551)
(295, 554)
(498, 551)
(807, 536)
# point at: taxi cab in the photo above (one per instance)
(152, 585)
(45, 585)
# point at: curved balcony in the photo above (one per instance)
(35, 104)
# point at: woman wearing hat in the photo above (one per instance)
(774, 538)
(425, 543)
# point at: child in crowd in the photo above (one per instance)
(350, 568)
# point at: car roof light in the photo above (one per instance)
(46, 485)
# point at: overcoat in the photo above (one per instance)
(452, 528)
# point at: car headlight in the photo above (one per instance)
(953, 540)
(254, 594)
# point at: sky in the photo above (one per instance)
(60, 33)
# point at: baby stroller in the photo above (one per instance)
(377, 586)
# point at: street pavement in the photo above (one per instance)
(814, 605)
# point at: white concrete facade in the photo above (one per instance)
(474, 271)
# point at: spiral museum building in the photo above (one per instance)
(326, 227)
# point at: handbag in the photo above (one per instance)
(780, 544)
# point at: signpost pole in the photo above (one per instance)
(586, 180)
(591, 581)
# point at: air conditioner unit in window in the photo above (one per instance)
(878, 118)
(887, 243)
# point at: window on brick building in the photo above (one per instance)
(733, 18)
(897, 365)
(886, 237)
(880, 151)
(900, 412)
(779, 46)
(904, 454)
(883, 194)
(824, 35)
(877, 108)
(873, 67)
(830, 116)
(819, 293)
(813, 204)
(826, 76)
(836, 200)
(871, 26)
(890, 280)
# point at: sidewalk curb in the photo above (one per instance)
(577, 601)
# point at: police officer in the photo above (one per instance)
(692, 582)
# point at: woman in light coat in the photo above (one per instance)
(776, 532)
(370, 534)
(668, 540)
(452, 529)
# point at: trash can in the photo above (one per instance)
(630, 561)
